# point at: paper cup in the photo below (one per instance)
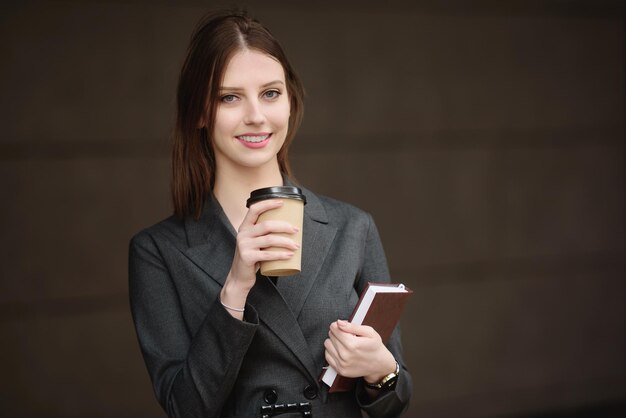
(292, 211)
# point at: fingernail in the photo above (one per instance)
(296, 229)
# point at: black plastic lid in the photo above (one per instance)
(276, 192)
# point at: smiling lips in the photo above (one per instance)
(255, 140)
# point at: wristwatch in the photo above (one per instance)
(388, 382)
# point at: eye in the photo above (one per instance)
(229, 98)
(272, 94)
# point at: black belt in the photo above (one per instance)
(304, 408)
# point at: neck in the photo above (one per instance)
(232, 188)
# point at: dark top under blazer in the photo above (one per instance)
(205, 363)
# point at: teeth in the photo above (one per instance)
(249, 138)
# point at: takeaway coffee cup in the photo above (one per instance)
(291, 211)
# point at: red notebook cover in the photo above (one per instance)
(380, 306)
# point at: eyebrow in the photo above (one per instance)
(271, 83)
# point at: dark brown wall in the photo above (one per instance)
(487, 138)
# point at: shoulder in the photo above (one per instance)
(342, 210)
(171, 229)
(337, 212)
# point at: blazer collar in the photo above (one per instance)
(314, 208)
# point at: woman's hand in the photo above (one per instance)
(357, 351)
(252, 238)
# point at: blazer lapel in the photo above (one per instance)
(211, 241)
(275, 313)
(317, 238)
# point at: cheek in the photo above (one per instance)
(280, 114)
(225, 121)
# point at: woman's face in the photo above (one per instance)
(252, 115)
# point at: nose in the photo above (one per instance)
(254, 113)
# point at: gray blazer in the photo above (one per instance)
(205, 363)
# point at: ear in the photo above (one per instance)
(202, 122)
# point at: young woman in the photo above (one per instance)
(218, 338)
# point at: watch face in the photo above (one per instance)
(391, 383)
(388, 382)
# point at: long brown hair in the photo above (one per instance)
(216, 38)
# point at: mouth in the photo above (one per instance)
(256, 140)
(253, 139)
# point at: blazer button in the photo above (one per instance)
(310, 392)
(270, 396)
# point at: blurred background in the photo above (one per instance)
(486, 138)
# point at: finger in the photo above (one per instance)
(252, 256)
(358, 330)
(273, 240)
(332, 355)
(341, 366)
(273, 255)
(330, 348)
(276, 227)
(257, 209)
(331, 360)
(342, 340)
(335, 332)
(338, 349)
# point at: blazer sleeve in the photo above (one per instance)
(374, 269)
(192, 375)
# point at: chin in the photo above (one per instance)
(259, 162)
